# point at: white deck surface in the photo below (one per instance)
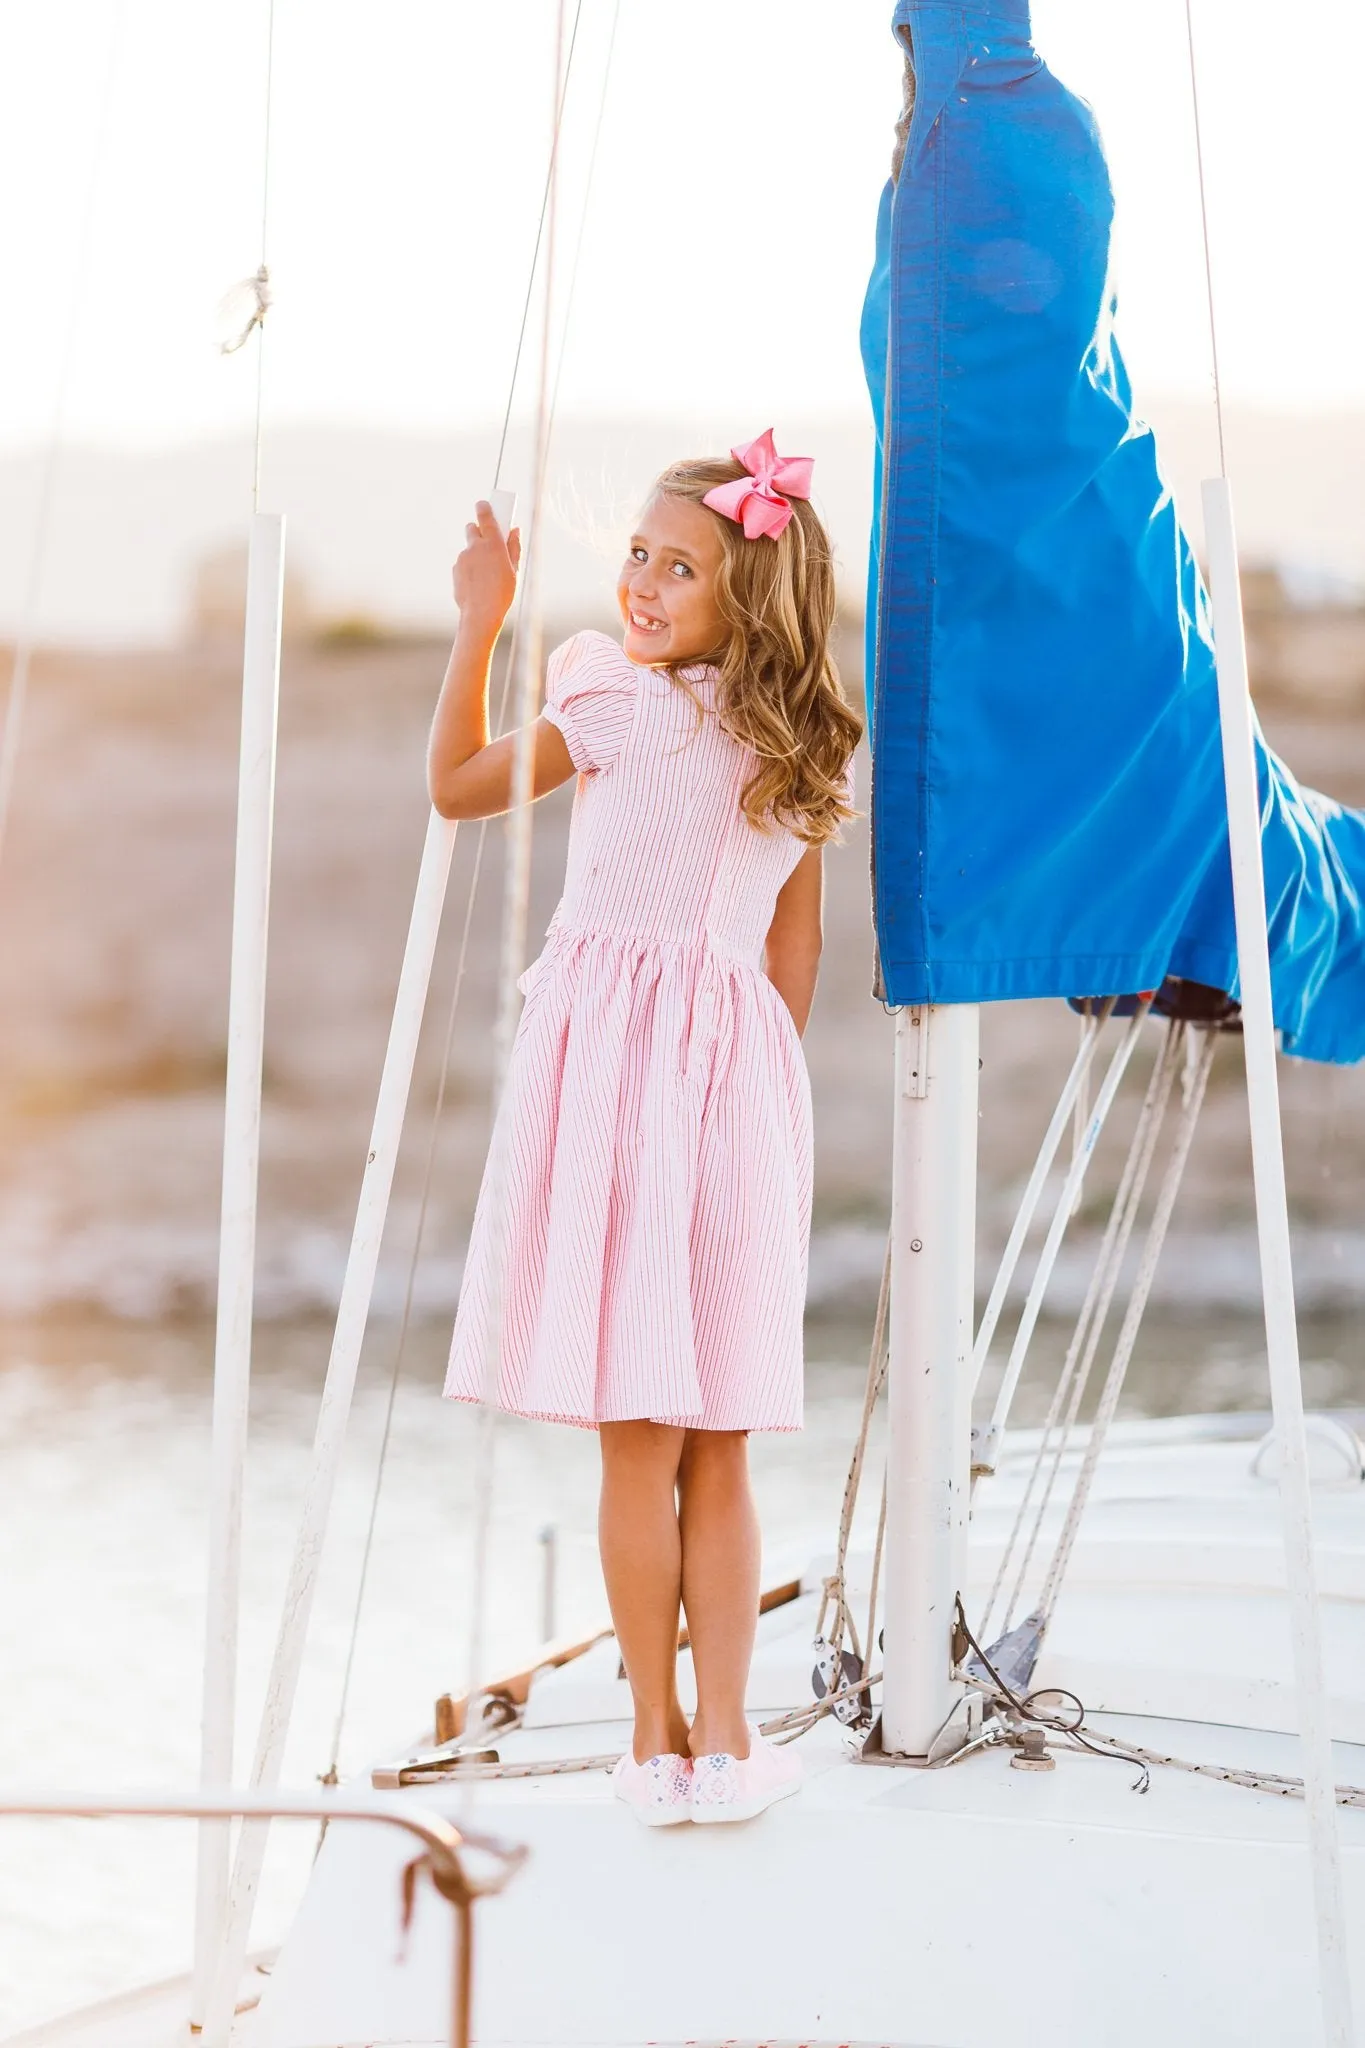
(972, 1905)
(883, 1906)
(887, 1907)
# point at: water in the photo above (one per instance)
(103, 1467)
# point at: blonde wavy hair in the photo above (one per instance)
(778, 691)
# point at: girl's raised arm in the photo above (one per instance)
(469, 776)
(795, 936)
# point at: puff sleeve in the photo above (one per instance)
(590, 695)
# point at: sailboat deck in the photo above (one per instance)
(909, 1907)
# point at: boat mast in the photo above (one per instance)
(933, 1246)
(237, 1242)
(241, 1137)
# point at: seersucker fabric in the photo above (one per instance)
(640, 1241)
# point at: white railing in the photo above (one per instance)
(442, 1858)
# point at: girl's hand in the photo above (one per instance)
(485, 575)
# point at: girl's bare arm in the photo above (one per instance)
(469, 776)
(792, 955)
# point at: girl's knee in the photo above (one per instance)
(715, 1452)
(639, 1444)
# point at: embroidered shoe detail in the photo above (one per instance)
(715, 1780)
(658, 1791)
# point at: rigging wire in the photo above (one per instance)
(1090, 1324)
(516, 900)
(214, 1907)
(1196, 1084)
(1073, 1729)
(25, 638)
(546, 192)
(1204, 230)
(263, 275)
(1070, 1099)
(1061, 1219)
(588, 183)
(515, 640)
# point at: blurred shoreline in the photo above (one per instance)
(375, 517)
(115, 905)
(1186, 1361)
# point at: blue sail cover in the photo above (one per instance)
(1048, 809)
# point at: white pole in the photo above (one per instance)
(334, 1412)
(933, 1218)
(237, 1242)
(1277, 1275)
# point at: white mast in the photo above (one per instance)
(237, 1243)
(933, 1241)
(241, 1130)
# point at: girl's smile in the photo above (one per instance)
(666, 589)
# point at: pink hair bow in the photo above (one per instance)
(757, 501)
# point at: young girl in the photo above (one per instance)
(645, 1271)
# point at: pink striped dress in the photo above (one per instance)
(639, 1245)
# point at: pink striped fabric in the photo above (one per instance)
(652, 1158)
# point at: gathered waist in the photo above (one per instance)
(697, 993)
(723, 945)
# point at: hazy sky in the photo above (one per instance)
(727, 242)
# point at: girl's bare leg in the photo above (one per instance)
(641, 1547)
(720, 1567)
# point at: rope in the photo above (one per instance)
(835, 1586)
(1081, 1352)
(835, 1591)
(878, 1551)
(1074, 1732)
(782, 1728)
(790, 1727)
(25, 640)
(1227, 1774)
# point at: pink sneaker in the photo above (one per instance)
(728, 1787)
(658, 1791)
